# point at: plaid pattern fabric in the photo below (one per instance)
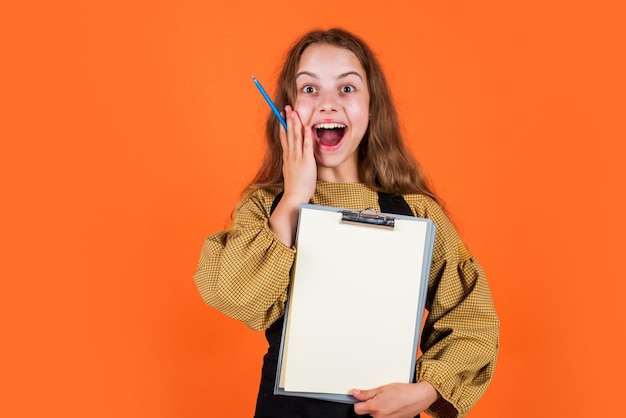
(244, 272)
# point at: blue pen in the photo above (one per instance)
(269, 102)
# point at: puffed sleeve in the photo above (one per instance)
(461, 334)
(244, 272)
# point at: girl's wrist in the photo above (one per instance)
(429, 393)
(294, 199)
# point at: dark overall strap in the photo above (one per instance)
(280, 406)
(394, 203)
(275, 202)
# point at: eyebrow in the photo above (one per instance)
(344, 75)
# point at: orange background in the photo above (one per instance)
(130, 127)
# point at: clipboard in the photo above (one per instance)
(356, 302)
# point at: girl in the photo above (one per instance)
(343, 148)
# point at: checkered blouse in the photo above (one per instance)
(244, 272)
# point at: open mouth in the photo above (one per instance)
(329, 134)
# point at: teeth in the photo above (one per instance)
(333, 125)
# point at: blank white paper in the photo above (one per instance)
(353, 304)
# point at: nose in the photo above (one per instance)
(328, 102)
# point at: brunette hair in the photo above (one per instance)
(385, 163)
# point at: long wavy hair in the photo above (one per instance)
(385, 163)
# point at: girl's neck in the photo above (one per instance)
(341, 174)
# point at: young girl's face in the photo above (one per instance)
(333, 102)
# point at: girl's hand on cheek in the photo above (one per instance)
(299, 167)
(299, 174)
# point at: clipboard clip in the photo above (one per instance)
(369, 217)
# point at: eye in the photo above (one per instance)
(308, 89)
(347, 88)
